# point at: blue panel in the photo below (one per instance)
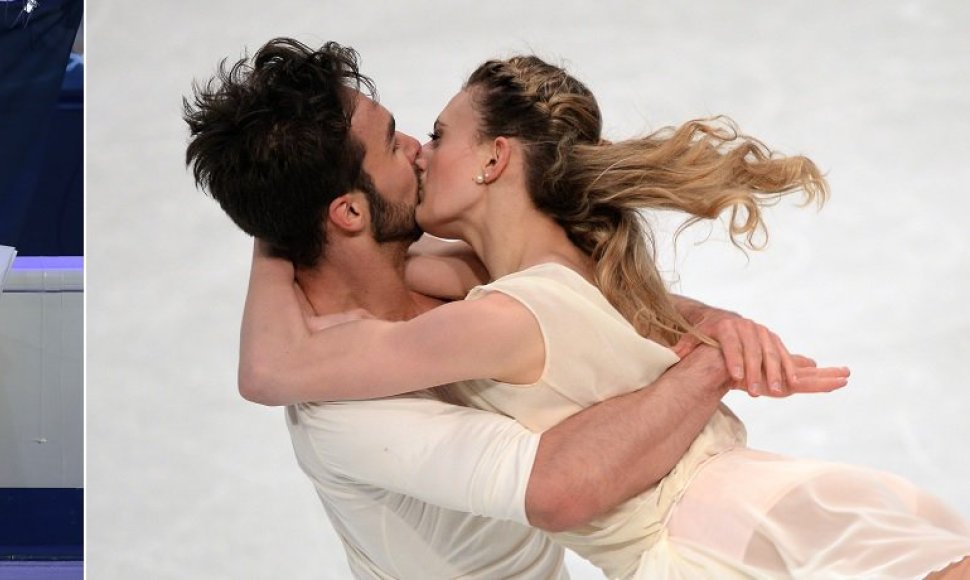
(41, 523)
(41, 129)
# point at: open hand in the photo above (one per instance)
(809, 378)
(758, 360)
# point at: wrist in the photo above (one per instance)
(706, 370)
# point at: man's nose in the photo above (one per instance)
(411, 147)
(421, 162)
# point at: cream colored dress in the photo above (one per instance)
(724, 511)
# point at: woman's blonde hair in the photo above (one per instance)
(595, 189)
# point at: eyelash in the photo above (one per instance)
(434, 135)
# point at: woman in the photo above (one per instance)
(516, 169)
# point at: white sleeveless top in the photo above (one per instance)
(592, 354)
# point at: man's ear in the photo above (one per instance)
(501, 153)
(347, 212)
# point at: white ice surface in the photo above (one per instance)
(186, 480)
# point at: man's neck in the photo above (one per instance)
(361, 274)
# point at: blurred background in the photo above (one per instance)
(187, 480)
(42, 306)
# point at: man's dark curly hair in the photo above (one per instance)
(270, 141)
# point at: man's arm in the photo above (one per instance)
(488, 464)
(450, 456)
(610, 452)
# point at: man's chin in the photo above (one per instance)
(402, 237)
(415, 235)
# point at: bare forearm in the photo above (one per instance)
(443, 269)
(612, 451)
(272, 320)
(280, 361)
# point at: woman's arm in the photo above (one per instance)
(282, 362)
(443, 269)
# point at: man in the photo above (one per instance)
(415, 487)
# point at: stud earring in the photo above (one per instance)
(480, 178)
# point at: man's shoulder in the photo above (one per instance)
(337, 419)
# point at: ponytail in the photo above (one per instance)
(702, 169)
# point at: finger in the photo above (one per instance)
(753, 378)
(819, 385)
(771, 362)
(355, 314)
(812, 380)
(685, 345)
(744, 389)
(787, 362)
(732, 350)
(799, 361)
(823, 372)
(318, 323)
(359, 313)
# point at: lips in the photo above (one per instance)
(420, 185)
(420, 192)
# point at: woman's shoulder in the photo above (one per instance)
(553, 289)
(542, 274)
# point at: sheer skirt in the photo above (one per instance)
(753, 514)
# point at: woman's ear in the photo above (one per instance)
(346, 212)
(501, 153)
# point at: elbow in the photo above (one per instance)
(548, 522)
(553, 511)
(256, 387)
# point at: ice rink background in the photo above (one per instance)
(187, 480)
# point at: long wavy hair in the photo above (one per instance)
(596, 190)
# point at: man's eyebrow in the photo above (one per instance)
(391, 130)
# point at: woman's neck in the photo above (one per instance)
(515, 236)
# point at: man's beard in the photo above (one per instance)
(391, 222)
